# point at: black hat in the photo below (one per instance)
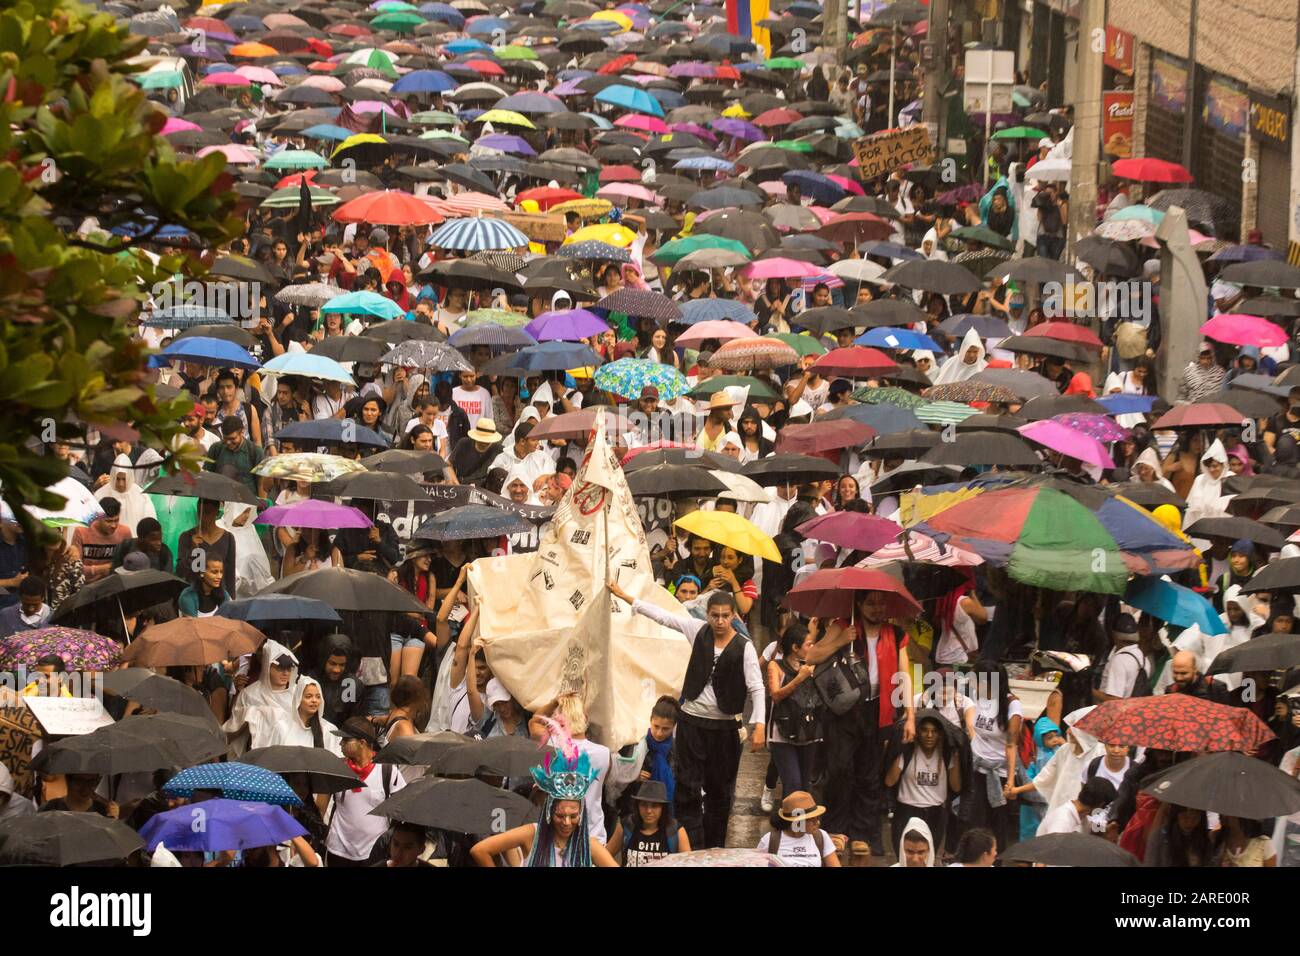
(358, 728)
(1124, 624)
(651, 791)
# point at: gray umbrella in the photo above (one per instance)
(64, 838)
(309, 294)
(431, 356)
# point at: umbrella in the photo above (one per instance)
(1151, 170)
(1200, 415)
(79, 650)
(976, 448)
(389, 207)
(1060, 438)
(506, 756)
(823, 436)
(157, 692)
(971, 391)
(742, 355)
(1175, 604)
(278, 607)
(568, 325)
(349, 348)
(429, 356)
(1178, 722)
(324, 515)
(235, 781)
(469, 522)
(709, 310)
(1235, 528)
(325, 772)
(226, 825)
(1070, 849)
(831, 593)
(1107, 256)
(1237, 329)
(309, 294)
(1271, 652)
(347, 590)
(848, 529)
(1266, 273)
(193, 641)
(651, 457)
(933, 275)
(731, 531)
(331, 431)
(803, 344)
(789, 469)
(126, 592)
(546, 357)
(376, 486)
(724, 330)
(628, 376)
(64, 838)
(595, 251)
(630, 98)
(201, 350)
(642, 303)
(463, 806)
(758, 389)
(207, 485)
(1049, 406)
(309, 365)
(1214, 214)
(139, 743)
(1230, 784)
(306, 466)
(574, 426)
(670, 480)
(478, 233)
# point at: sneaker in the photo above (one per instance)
(768, 800)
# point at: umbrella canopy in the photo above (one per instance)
(306, 466)
(429, 356)
(824, 436)
(731, 531)
(1070, 849)
(1235, 528)
(463, 806)
(628, 376)
(848, 529)
(79, 650)
(478, 233)
(121, 593)
(1271, 652)
(332, 431)
(64, 838)
(1230, 784)
(670, 481)
(390, 207)
(1200, 415)
(324, 515)
(1178, 722)
(193, 641)
(790, 469)
(156, 691)
(469, 522)
(1175, 604)
(325, 772)
(742, 355)
(139, 743)
(227, 825)
(278, 607)
(1151, 170)
(967, 449)
(1237, 329)
(234, 781)
(832, 592)
(1066, 441)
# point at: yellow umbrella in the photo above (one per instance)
(505, 118)
(610, 233)
(586, 208)
(613, 16)
(735, 111)
(356, 140)
(731, 531)
(585, 371)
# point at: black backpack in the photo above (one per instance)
(799, 716)
(1142, 682)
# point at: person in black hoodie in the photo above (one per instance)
(378, 543)
(336, 672)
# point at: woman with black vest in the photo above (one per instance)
(722, 674)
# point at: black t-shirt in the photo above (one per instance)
(444, 572)
(646, 848)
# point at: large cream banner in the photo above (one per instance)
(549, 625)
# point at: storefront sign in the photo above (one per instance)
(1168, 85)
(1226, 107)
(1270, 119)
(1119, 50)
(1117, 123)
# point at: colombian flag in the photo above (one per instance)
(743, 17)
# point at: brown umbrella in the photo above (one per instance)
(193, 641)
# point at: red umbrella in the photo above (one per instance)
(1067, 332)
(295, 179)
(855, 227)
(777, 117)
(391, 207)
(1148, 170)
(547, 196)
(856, 361)
(348, 30)
(618, 64)
(620, 174)
(1178, 722)
(484, 67)
(1202, 415)
(818, 437)
(851, 529)
(831, 591)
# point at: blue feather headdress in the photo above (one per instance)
(566, 771)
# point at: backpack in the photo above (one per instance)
(819, 838)
(799, 716)
(1141, 683)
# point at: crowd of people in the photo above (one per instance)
(834, 365)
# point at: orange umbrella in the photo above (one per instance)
(392, 207)
(253, 51)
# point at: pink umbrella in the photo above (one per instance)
(852, 185)
(330, 84)
(1237, 329)
(225, 79)
(1195, 238)
(915, 546)
(850, 529)
(722, 329)
(780, 268)
(773, 187)
(260, 74)
(649, 124)
(175, 124)
(314, 513)
(234, 153)
(822, 213)
(373, 106)
(1068, 442)
(627, 191)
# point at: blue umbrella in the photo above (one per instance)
(279, 607)
(507, 143)
(478, 233)
(600, 121)
(364, 303)
(235, 781)
(424, 81)
(892, 250)
(888, 338)
(554, 357)
(466, 46)
(884, 418)
(165, 234)
(332, 431)
(309, 366)
(486, 26)
(494, 336)
(202, 350)
(1174, 604)
(822, 188)
(327, 131)
(670, 99)
(703, 310)
(1127, 404)
(185, 317)
(216, 825)
(630, 98)
(444, 12)
(472, 521)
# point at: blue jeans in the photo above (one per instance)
(794, 765)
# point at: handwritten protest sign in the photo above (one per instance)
(68, 716)
(19, 730)
(889, 149)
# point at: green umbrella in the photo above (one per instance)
(784, 63)
(1019, 132)
(291, 197)
(502, 317)
(803, 344)
(443, 134)
(433, 118)
(757, 389)
(891, 395)
(982, 234)
(399, 20)
(944, 413)
(671, 251)
(516, 52)
(296, 159)
(793, 145)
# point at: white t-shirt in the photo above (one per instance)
(1105, 773)
(476, 403)
(598, 754)
(990, 740)
(353, 831)
(799, 849)
(1064, 819)
(924, 782)
(439, 428)
(1122, 669)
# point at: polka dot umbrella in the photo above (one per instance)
(235, 781)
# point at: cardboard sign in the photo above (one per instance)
(1117, 123)
(68, 716)
(886, 151)
(540, 227)
(19, 731)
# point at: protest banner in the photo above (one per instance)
(19, 731)
(883, 152)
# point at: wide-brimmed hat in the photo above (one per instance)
(800, 805)
(651, 791)
(358, 728)
(485, 432)
(720, 399)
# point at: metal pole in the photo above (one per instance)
(893, 60)
(1189, 125)
(988, 124)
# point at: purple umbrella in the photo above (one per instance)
(693, 68)
(738, 128)
(506, 143)
(80, 650)
(314, 513)
(1100, 427)
(848, 529)
(217, 825)
(569, 88)
(695, 129)
(570, 325)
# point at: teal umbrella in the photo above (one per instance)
(296, 159)
(627, 377)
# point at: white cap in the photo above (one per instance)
(496, 693)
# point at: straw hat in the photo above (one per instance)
(720, 399)
(800, 805)
(485, 432)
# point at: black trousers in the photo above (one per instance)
(855, 788)
(976, 811)
(706, 758)
(936, 818)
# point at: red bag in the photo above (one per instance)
(1134, 837)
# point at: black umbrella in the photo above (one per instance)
(463, 806)
(470, 522)
(405, 461)
(325, 772)
(1268, 273)
(243, 268)
(1045, 345)
(1070, 849)
(472, 274)
(507, 756)
(126, 592)
(750, 228)
(711, 460)
(673, 481)
(1034, 269)
(1269, 305)
(332, 431)
(1149, 495)
(207, 485)
(347, 590)
(908, 444)
(1235, 528)
(933, 275)
(350, 348)
(278, 607)
(1036, 409)
(1281, 575)
(1271, 652)
(142, 742)
(887, 313)
(400, 330)
(64, 838)
(983, 448)
(227, 333)
(1250, 404)
(790, 470)
(1027, 385)
(1284, 516)
(827, 319)
(910, 474)
(467, 176)
(1010, 424)
(420, 749)
(1108, 256)
(1229, 783)
(158, 692)
(375, 486)
(1207, 212)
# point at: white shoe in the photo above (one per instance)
(768, 801)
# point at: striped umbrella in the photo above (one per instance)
(501, 259)
(478, 233)
(914, 546)
(310, 294)
(467, 204)
(627, 377)
(944, 413)
(742, 355)
(185, 317)
(708, 310)
(493, 336)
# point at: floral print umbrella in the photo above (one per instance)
(307, 466)
(1101, 427)
(1178, 722)
(80, 650)
(627, 377)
